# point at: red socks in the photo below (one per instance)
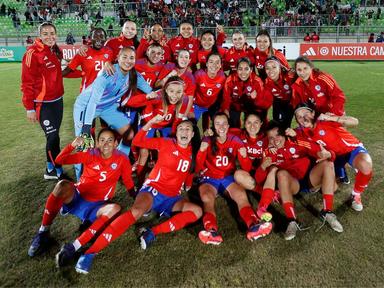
(209, 221)
(112, 232)
(266, 198)
(248, 215)
(361, 182)
(140, 172)
(328, 202)
(52, 207)
(175, 223)
(96, 226)
(289, 210)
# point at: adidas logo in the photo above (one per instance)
(177, 45)
(274, 90)
(45, 58)
(310, 52)
(232, 60)
(89, 57)
(143, 73)
(202, 85)
(121, 46)
(107, 236)
(46, 211)
(97, 167)
(171, 226)
(92, 231)
(176, 153)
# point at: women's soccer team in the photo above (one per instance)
(149, 96)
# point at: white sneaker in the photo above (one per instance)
(331, 219)
(291, 231)
(357, 205)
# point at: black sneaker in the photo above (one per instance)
(50, 175)
(40, 243)
(345, 180)
(65, 255)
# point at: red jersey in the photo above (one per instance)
(90, 64)
(190, 44)
(117, 43)
(202, 56)
(41, 78)
(187, 76)
(255, 146)
(281, 89)
(261, 57)
(150, 73)
(321, 89)
(293, 157)
(100, 176)
(172, 166)
(223, 163)
(332, 135)
(143, 46)
(233, 55)
(307, 39)
(208, 89)
(154, 107)
(315, 38)
(237, 94)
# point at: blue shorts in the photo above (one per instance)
(162, 204)
(349, 157)
(165, 132)
(219, 184)
(199, 111)
(83, 209)
(115, 119)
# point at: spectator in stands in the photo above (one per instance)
(371, 38)
(380, 38)
(315, 38)
(29, 40)
(70, 40)
(307, 38)
(110, 30)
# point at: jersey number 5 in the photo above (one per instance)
(103, 176)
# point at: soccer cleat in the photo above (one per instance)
(40, 243)
(65, 255)
(291, 231)
(345, 180)
(50, 175)
(356, 205)
(84, 263)
(331, 219)
(210, 237)
(147, 238)
(261, 229)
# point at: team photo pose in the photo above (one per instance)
(160, 192)
(329, 131)
(42, 88)
(216, 163)
(208, 45)
(244, 91)
(296, 172)
(88, 199)
(150, 66)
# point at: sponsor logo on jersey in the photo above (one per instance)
(46, 122)
(317, 87)
(114, 166)
(322, 132)
(292, 150)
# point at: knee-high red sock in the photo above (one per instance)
(289, 210)
(328, 202)
(361, 182)
(112, 232)
(52, 207)
(248, 215)
(96, 227)
(175, 223)
(209, 221)
(266, 198)
(140, 172)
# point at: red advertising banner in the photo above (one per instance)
(343, 51)
(69, 51)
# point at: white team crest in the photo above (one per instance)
(190, 46)
(230, 150)
(46, 122)
(106, 56)
(218, 85)
(113, 166)
(260, 143)
(286, 87)
(249, 88)
(317, 87)
(322, 132)
(292, 150)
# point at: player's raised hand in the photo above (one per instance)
(83, 50)
(151, 95)
(146, 34)
(219, 28)
(157, 119)
(109, 68)
(253, 94)
(204, 146)
(243, 152)
(78, 142)
(290, 132)
(267, 161)
(324, 154)
(208, 132)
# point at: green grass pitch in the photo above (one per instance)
(324, 258)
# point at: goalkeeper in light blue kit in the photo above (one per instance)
(102, 99)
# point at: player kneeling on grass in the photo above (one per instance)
(89, 198)
(160, 192)
(217, 161)
(329, 130)
(296, 172)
